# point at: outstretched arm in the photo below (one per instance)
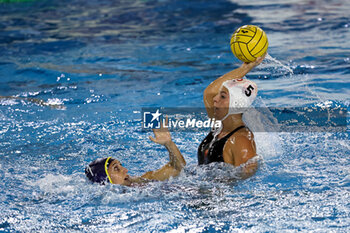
(176, 160)
(214, 87)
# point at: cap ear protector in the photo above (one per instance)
(108, 161)
(242, 93)
(97, 171)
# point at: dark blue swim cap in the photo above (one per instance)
(97, 172)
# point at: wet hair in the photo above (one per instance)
(97, 171)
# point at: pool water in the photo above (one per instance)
(106, 60)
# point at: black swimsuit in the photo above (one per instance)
(208, 155)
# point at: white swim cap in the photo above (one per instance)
(242, 94)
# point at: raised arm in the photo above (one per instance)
(176, 160)
(214, 87)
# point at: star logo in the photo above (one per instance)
(156, 115)
(151, 119)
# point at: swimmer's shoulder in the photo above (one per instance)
(240, 141)
(242, 134)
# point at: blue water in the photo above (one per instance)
(105, 60)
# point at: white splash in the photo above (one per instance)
(57, 184)
(277, 63)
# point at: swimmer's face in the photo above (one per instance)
(221, 103)
(118, 173)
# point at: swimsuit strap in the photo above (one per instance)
(234, 131)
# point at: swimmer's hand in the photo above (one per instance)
(249, 66)
(176, 160)
(162, 135)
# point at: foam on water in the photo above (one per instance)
(9, 102)
(56, 184)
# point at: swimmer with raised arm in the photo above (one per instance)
(110, 170)
(225, 99)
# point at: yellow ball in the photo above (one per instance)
(248, 43)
